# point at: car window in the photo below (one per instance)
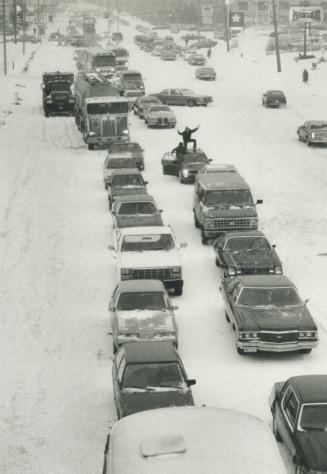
(121, 369)
(127, 208)
(146, 208)
(148, 300)
(154, 375)
(166, 91)
(290, 406)
(127, 180)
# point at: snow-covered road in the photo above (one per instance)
(57, 274)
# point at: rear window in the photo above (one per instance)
(127, 180)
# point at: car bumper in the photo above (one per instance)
(122, 341)
(319, 140)
(255, 346)
(105, 140)
(211, 233)
(161, 122)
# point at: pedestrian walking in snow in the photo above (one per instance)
(34, 30)
(186, 134)
(305, 76)
(186, 41)
(209, 53)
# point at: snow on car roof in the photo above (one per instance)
(265, 281)
(148, 351)
(223, 180)
(311, 388)
(131, 286)
(163, 229)
(245, 233)
(194, 439)
(134, 198)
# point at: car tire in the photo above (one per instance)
(299, 137)
(196, 222)
(180, 177)
(305, 351)
(178, 291)
(164, 171)
(191, 103)
(217, 262)
(90, 146)
(309, 143)
(115, 349)
(204, 239)
(275, 431)
(227, 317)
(240, 350)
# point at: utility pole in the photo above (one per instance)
(24, 25)
(305, 41)
(108, 9)
(226, 15)
(4, 37)
(279, 67)
(15, 20)
(38, 19)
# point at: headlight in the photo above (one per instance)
(231, 271)
(97, 69)
(124, 273)
(125, 132)
(141, 87)
(313, 135)
(253, 222)
(176, 270)
(278, 269)
(307, 334)
(49, 101)
(249, 335)
(208, 223)
(91, 134)
(185, 173)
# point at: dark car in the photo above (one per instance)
(78, 41)
(141, 310)
(185, 165)
(113, 163)
(57, 95)
(117, 37)
(182, 97)
(129, 150)
(141, 104)
(204, 43)
(299, 410)
(314, 131)
(135, 210)
(267, 314)
(205, 74)
(197, 60)
(246, 252)
(148, 375)
(274, 99)
(123, 182)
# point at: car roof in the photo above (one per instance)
(134, 197)
(218, 181)
(274, 91)
(220, 167)
(316, 122)
(134, 286)
(143, 352)
(163, 229)
(177, 440)
(130, 71)
(128, 171)
(264, 281)
(245, 233)
(311, 388)
(124, 143)
(121, 155)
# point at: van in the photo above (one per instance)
(223, 202)
(183, 440)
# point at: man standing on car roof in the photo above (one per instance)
(187, 136)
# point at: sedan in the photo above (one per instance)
(183, 97)
(313, 132)
(135, 211)
(205, 73)
(142, 103)
(197, 60)
(160, 116)
(113, 163)
(185, 166)
(141, 310)
(128, 149)
(273, 98)
(148, 375)
(267, 314)
(246, 252)
(299, 410)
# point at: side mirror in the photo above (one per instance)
(146, 182)
(183, 245)
(306, 301)
(259, 201)
(191, 382)
(210, 159)
(111, 248)
(273, 246)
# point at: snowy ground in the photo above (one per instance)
(57, 275)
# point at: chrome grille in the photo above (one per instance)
(151, 274)
(230, 223)
(278, 337)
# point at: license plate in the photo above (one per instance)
(232, 223)
(250, 349)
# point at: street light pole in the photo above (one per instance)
(24, 26)
(226, 14)
(108, 9)
(279, 67)
(15, 20)
(4, 37)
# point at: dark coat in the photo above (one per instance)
(187, 133)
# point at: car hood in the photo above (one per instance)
(137, 220)
(313, 444)
(276, 319)
(146, 323)
(150, 259)
(250, 259)
(233, 211)
(128, 190)
(133, 402)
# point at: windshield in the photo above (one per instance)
(195, 158)
(127, 180)
(123, 147)
(153, 375)
(246, 244)
(132, 78)
(187, 92)
(139, 300)
(107, 108)
(104, 60)
(314, 417)
(138, 243)
(276, 94)
(229, 198)
(121, 52)
(159, 108)
(116, 163)
(319, 126)
(278, 297)
(130, 208)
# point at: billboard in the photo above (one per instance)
(306, 14)
(207, 14)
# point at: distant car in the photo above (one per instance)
(188, 53)
(78, 41)
(128, 150)
(115, 162)
(267, 314)
(314, 131)
(183, 97)
(205, 73)
(142, 103)
(197, 60)
(141, 310)
(157, 50)
(117, 36)
(299, 411)
(148, 375)
(274, 99)
(135, 211)
(217, 168)
(204, 43)
(185, 166)
(125, 181)
(168, 55)
(246, 252)
(160, 115)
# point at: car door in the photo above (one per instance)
(164, 96)
(286, 417)
(112, 309)
(120, 365)
(174, 97)
(170, 164)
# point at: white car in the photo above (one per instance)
(160, 115)
(145, 253)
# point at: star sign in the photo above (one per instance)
(236, 18)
